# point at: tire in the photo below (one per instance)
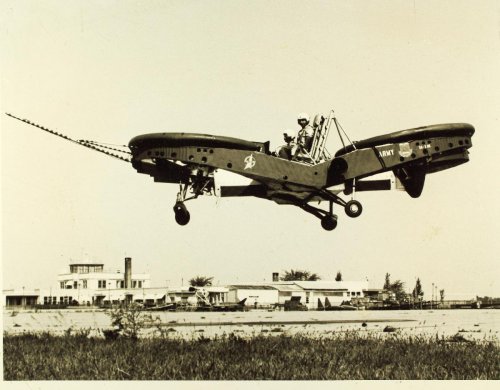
(182, 215)
(353, 209)
(329, 222)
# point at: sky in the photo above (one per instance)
(110, 70)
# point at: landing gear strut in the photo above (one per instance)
(329, 220)
(198, 184)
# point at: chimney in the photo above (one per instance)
(128, 272)
(276, 277)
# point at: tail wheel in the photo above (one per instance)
(329, 222)
(353, 208)
(182, 215)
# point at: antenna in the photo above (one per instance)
(98, 147)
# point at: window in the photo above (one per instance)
(62, 285)
(140, 283)
(134, 284)
(84, 284)
(332, 294)
(101, 284)
(75, 284)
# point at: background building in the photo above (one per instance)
(90, 284)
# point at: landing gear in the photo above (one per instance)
(327, 218)
(329, 222)
(182, 215)
(353, 208)
(199, 183)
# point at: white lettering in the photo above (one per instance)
(426, 146)
(386, 153)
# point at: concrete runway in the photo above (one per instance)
(473, 324)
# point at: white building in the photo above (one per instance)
(313, 294)
(208, 295)
(320, 293)
(256, 295)
(86, 283)
(91, 283)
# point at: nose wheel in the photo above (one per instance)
(182, 215)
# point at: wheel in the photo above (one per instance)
(353, 208)
(182, 218)
(329, 222)
(182, 215)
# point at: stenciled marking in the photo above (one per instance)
(249, 162)
(386, 153)
(426, 146)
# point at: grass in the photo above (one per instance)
(280, 357)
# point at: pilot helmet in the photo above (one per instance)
(303, 116)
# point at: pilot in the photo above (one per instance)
(304, 137)
(298, 148)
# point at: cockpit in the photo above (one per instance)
(314, 153)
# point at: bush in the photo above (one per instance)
(127, 322)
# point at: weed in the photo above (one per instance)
(127, 321)
(347, 355)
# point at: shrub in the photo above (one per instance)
(127, 321)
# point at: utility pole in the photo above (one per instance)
(432, 295)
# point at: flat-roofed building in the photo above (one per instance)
(256, 295)
(90, 280)
(326, 292)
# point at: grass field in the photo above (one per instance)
(343, 356)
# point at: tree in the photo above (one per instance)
(398, 288)
(299, 275)
(418, 293)
(338, 278)
(201, 281)
(441, 294)
(387, 284)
